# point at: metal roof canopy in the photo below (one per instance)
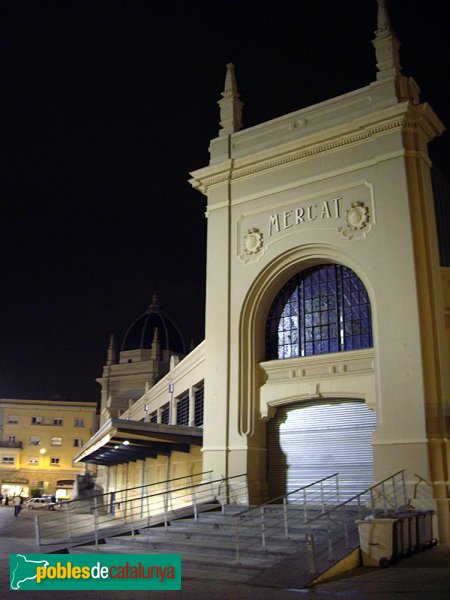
(120, 441)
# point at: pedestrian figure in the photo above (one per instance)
(17, 505)
(6, 500)
(1, 499)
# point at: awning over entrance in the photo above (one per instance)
(121, 441)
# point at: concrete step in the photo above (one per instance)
(208, 545)
(222, 567)
(212, 519)
(213, 546)
(223, 533)
(272, 527)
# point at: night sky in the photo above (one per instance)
(106, 108)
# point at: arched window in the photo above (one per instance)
(322, 309)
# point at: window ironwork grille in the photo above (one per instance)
(323, 309)
(198, 406)
(153, 418)
(165, 414)
(183, 410)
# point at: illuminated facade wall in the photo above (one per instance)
(344, 182)
(38, 441)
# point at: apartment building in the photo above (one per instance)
(38, 440)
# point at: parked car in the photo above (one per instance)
(41, 503)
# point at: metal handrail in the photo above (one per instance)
(336, 531)
(357, 496)
(418, 483)
(136, 487)
(256, 526)
(8, 444)
(275, 500)
(384, 491)
(129, 514)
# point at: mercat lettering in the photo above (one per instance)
(328, 209)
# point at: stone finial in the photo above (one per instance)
(386, 45)
(154, 304)
(383, 21)
(230, 105)
(111, 357)
(156, 346)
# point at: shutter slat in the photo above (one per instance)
(309, 441)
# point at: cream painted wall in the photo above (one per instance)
(155, 470)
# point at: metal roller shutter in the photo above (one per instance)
(308, 441)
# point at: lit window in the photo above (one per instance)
(13, 419)
(55, 441)
(8, 460)
(321, 310)
(78, 443)
(33, 460)
(55, 461)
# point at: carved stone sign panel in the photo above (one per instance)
(349, 211)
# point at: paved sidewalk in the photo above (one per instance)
(424, 576)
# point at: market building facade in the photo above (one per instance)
(326, 337)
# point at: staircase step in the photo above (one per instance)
(208, 544)
(275, 549)
(247, 568)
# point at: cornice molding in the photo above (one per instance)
(415, 118)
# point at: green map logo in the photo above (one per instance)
(95, 572)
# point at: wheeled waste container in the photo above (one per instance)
(380, 541)
(408, 526)
(425, 537)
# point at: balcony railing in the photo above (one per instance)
(8, 444)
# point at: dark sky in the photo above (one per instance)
(106, 108)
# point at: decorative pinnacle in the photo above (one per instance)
(111, 351)
(386, 45)
(230, 88)
(155, 347)
(383, 21)
(154, 304)
(230, 105)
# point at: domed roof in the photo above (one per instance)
(141, 332)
